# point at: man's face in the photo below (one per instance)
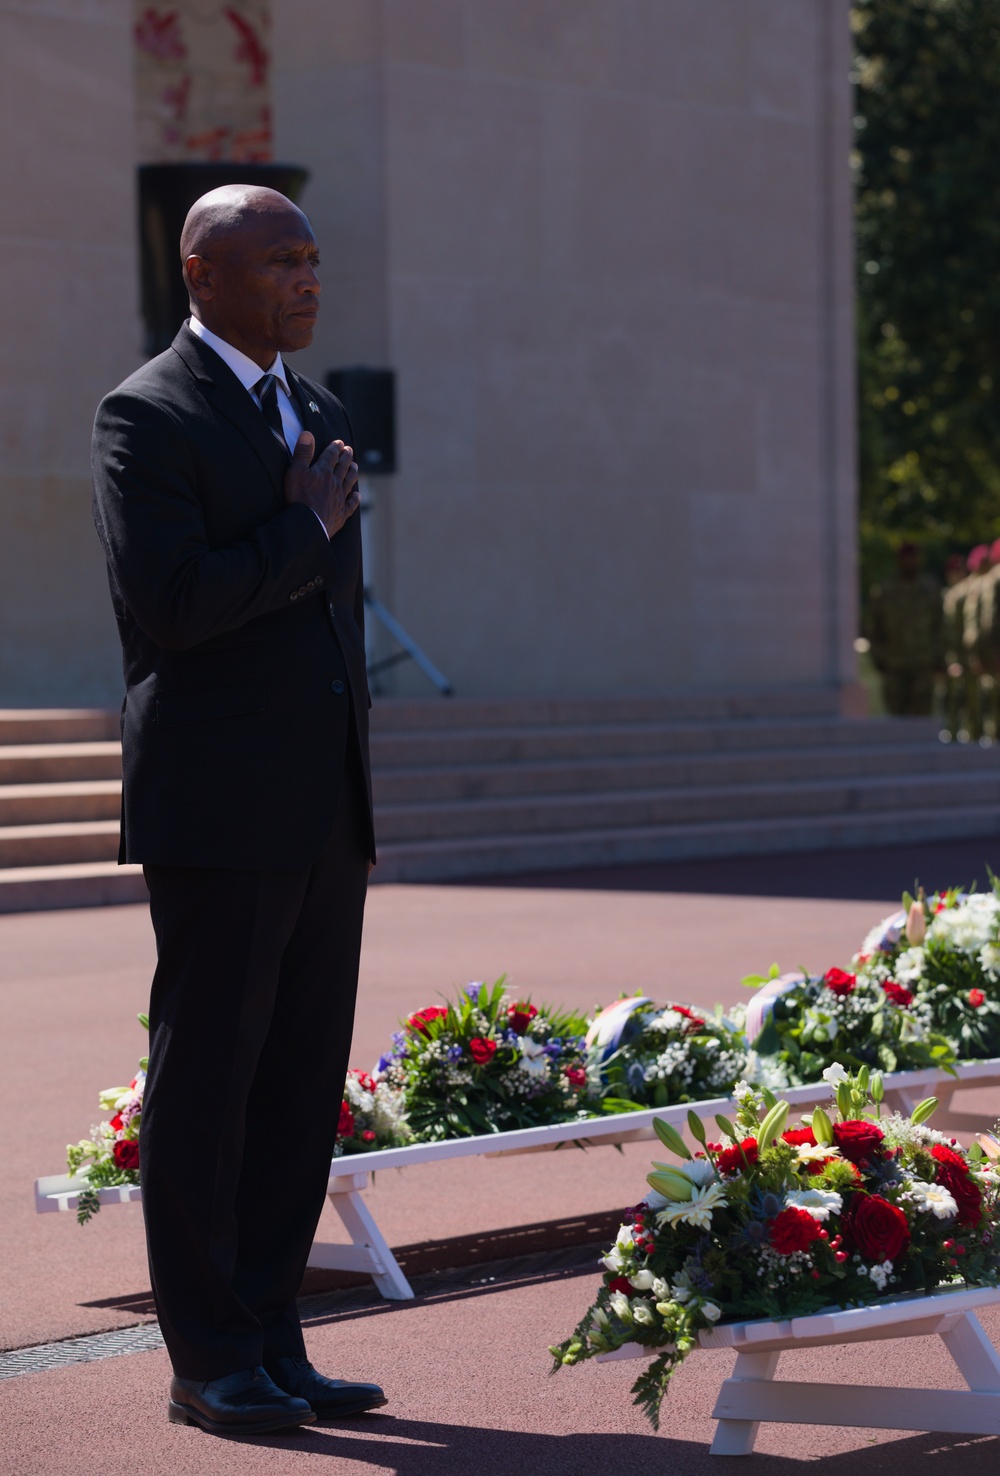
(257, 288)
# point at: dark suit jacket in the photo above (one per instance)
(242, 626)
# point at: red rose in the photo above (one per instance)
(576, 1077)
(799, 1136)
(127, 1154)
(697, 1023)
(622, 1284)
(952, 1174)
(794, 1230)
(875, 1228)
(897, 994)
(856, 1139)
(520, 1016)
(840, 982)
(422, 1018)
(731, 1161)
(481, 1050)
(977, 998)
(368, 1136)
(345, 1128)
(116, 1123)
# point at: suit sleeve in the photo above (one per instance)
(151, 525)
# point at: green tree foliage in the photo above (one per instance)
(927, 164)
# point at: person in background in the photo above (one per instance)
(906, 631)
(959, 583)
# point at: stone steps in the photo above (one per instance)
(466, 787)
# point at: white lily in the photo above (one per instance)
(834, 1075)
(533, 1058)
(815, 1152)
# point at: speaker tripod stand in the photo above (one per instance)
(409, 650)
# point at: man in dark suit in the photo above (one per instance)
(225, 494)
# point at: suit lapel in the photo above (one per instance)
(230, 399)
(310, 414)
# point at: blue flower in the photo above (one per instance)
(764, 1206)
(635, 1075)
(384, 1062)
(473, 991)
(399, 1040)
(455, 1053)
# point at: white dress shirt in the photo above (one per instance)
(248, 373)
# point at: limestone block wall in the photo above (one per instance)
(606, 245)
(68, 329)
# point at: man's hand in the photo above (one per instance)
(330, 487)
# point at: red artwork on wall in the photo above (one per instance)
(158, 33)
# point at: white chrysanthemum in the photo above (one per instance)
(933, 1198)
(989, 958)
(697, 1210)
(699, 1170)
(909, 966)
(820, 1203)
(969, 926)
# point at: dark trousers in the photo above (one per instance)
(251, 1016)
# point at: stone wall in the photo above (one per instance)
(69, 310)
(606, 245)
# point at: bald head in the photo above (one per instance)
(249, 259)
(219, 218)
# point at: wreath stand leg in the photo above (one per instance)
(753, 1395)
(736, 1437)
(368, 1250)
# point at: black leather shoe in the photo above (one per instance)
(244, 1403)
(329, 1398)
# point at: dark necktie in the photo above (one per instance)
(266, 390)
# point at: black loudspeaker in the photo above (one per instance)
(369, 397)
(166, 194)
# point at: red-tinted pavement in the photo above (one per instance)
(463, 1365)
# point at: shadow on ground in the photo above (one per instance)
(877, 874)
(423, 1448)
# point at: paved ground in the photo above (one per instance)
(467, 1359)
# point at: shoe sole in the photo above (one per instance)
(183, 1414)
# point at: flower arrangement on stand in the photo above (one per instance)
(780, 1222)
(486, 1063)
(371, 1116)
(799, 1024)
(110, 1156)
(648, 1055)
(944, 950)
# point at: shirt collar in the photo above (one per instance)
(246, 371)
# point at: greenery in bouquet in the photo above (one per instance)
(486, 1063)
(646, 1055)
(781, 1222)
(945, 951)
(110, 1156)
(371, 1116)
(799, 1024)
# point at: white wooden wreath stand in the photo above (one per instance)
(752, 1394)
(367, 1250)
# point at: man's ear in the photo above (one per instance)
(198, 278)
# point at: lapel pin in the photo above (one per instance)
(314, 407)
